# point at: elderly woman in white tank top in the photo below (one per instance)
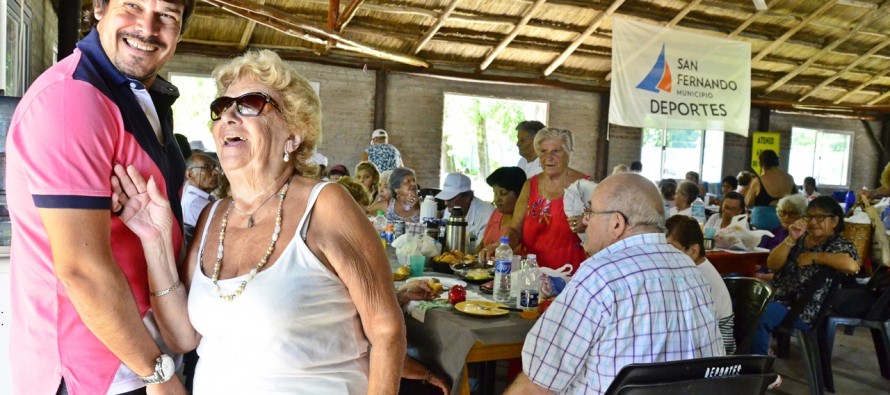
(286, 288)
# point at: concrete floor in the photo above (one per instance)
(853, 361)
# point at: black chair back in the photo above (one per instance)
(748, 384)
(691, 369)
(749, 297)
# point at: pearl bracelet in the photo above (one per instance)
(168, 290)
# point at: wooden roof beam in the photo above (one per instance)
(248, 31)
(862, 86)
(673, 22)
(879, 98)
(849, 67)
(333, 19)
(515, 32)
(574, 45)
(751, 20)
(775, 44)
(348, 14)
(290, 25)
(868, 19)
(438, 25)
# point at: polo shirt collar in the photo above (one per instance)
(635, 240)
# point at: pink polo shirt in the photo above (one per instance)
(65, 136)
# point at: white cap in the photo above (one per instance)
(455, 183)
(378, 133)
(319, 159)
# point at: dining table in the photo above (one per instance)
(743, 263)
(447, 340)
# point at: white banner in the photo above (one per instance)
(671, 79)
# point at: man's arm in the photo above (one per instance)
(98, 289)
(524, 386)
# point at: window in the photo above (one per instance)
(825, 155)
(479, 136)
(671, 153)
(191, 112)
(18, 34)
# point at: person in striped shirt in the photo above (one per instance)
(637, 299)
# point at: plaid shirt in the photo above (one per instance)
(638, 300)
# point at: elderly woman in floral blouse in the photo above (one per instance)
(814, 245)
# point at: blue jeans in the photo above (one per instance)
(772, 317)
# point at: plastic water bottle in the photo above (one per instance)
(503, 264)
(850, 202)
(380, 223)
(428, 208)
(887, 218)
(698, 211)
(529, 283)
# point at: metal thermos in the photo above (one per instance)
(456, 231)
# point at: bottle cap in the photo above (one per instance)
(531, 256)
(505, 240)
(379, 212)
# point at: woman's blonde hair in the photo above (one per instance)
(300, 106)
(563, 135)
(371, 168)
(357, 190)
(885, 176)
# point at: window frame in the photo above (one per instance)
(848, 177)
(701, 153)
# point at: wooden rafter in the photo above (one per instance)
(348, 13)
(865, 21)
(849, 67)
(775, 44)
(248, 31)
(751, 20)
(515, 32)
(879, 98)
(862, 86)
(292, 26)
(673, 22)
(433, 30)
(333, 19)
(575, 44)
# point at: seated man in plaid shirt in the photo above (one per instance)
(636, 300)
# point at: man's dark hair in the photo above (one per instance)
(733, 195)
(694, 175)
(636, 166)
(510, 178)
(668, 188)
(732, 181)
(532, 127)
(686, 231)
(186, 13)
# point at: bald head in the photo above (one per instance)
(636, 197)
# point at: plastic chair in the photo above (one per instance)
(747, 384)
(749, 297)
(876, 319)
(691, 369)
(813, 339)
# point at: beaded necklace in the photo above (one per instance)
(253, 272)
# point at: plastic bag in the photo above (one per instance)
(738, 236)
(575, 198)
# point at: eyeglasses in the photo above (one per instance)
(589, 213)
(818, 218)
(248, 105)
(215, 168)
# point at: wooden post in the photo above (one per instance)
(602, 141)
(380, 99)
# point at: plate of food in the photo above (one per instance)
(482, 308)
(401, 274)
(439, 284)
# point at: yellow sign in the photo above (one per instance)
(763, 141)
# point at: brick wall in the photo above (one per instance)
(414, 120)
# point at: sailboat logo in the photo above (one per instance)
(659, 78)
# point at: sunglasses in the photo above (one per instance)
(248, 105)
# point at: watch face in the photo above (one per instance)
(167, 367)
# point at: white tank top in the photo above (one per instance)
(294, 330)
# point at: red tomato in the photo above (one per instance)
(457, 294)
(544, 304)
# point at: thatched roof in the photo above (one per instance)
(826, 52)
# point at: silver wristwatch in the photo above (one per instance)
(164, 369)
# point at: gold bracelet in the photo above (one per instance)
(791, 244)
(168, 290)
(429, 374)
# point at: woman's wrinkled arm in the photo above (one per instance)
(839, 261)
(349, 244)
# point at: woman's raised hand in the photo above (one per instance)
(797, 229)
(140, 204)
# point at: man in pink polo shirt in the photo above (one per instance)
(81, 300)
